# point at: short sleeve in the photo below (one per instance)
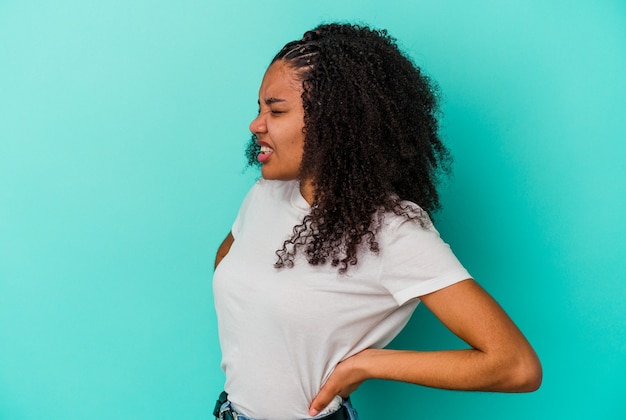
(416, 261)
(240, 220)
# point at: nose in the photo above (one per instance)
(258, 125)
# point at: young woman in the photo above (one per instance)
(333, 247)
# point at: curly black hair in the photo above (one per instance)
(371, 141)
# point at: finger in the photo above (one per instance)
(321, 400)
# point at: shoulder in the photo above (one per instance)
(410, 219)
(411, 236)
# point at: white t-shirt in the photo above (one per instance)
(283, 331)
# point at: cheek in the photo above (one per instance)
(298, 150)
(294, 142)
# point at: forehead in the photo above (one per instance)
(280, 80)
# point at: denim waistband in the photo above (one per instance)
(224, 411)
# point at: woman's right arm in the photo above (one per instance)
(224, 248)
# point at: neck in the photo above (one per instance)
(307, 190)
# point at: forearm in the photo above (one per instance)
(469, 369)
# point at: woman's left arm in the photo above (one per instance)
(500, 358)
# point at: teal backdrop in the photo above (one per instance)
(122, 127)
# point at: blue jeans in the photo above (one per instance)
(352, 414)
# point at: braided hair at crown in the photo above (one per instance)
(371, 141)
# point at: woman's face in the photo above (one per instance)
(280, 123)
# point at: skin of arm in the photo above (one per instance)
(499, 358)
(224, 248)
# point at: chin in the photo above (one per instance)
(268, 175)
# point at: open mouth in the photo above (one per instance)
(265, 153)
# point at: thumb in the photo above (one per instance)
(321, 401)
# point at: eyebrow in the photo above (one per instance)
(272, 100)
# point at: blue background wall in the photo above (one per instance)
(122, 125)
